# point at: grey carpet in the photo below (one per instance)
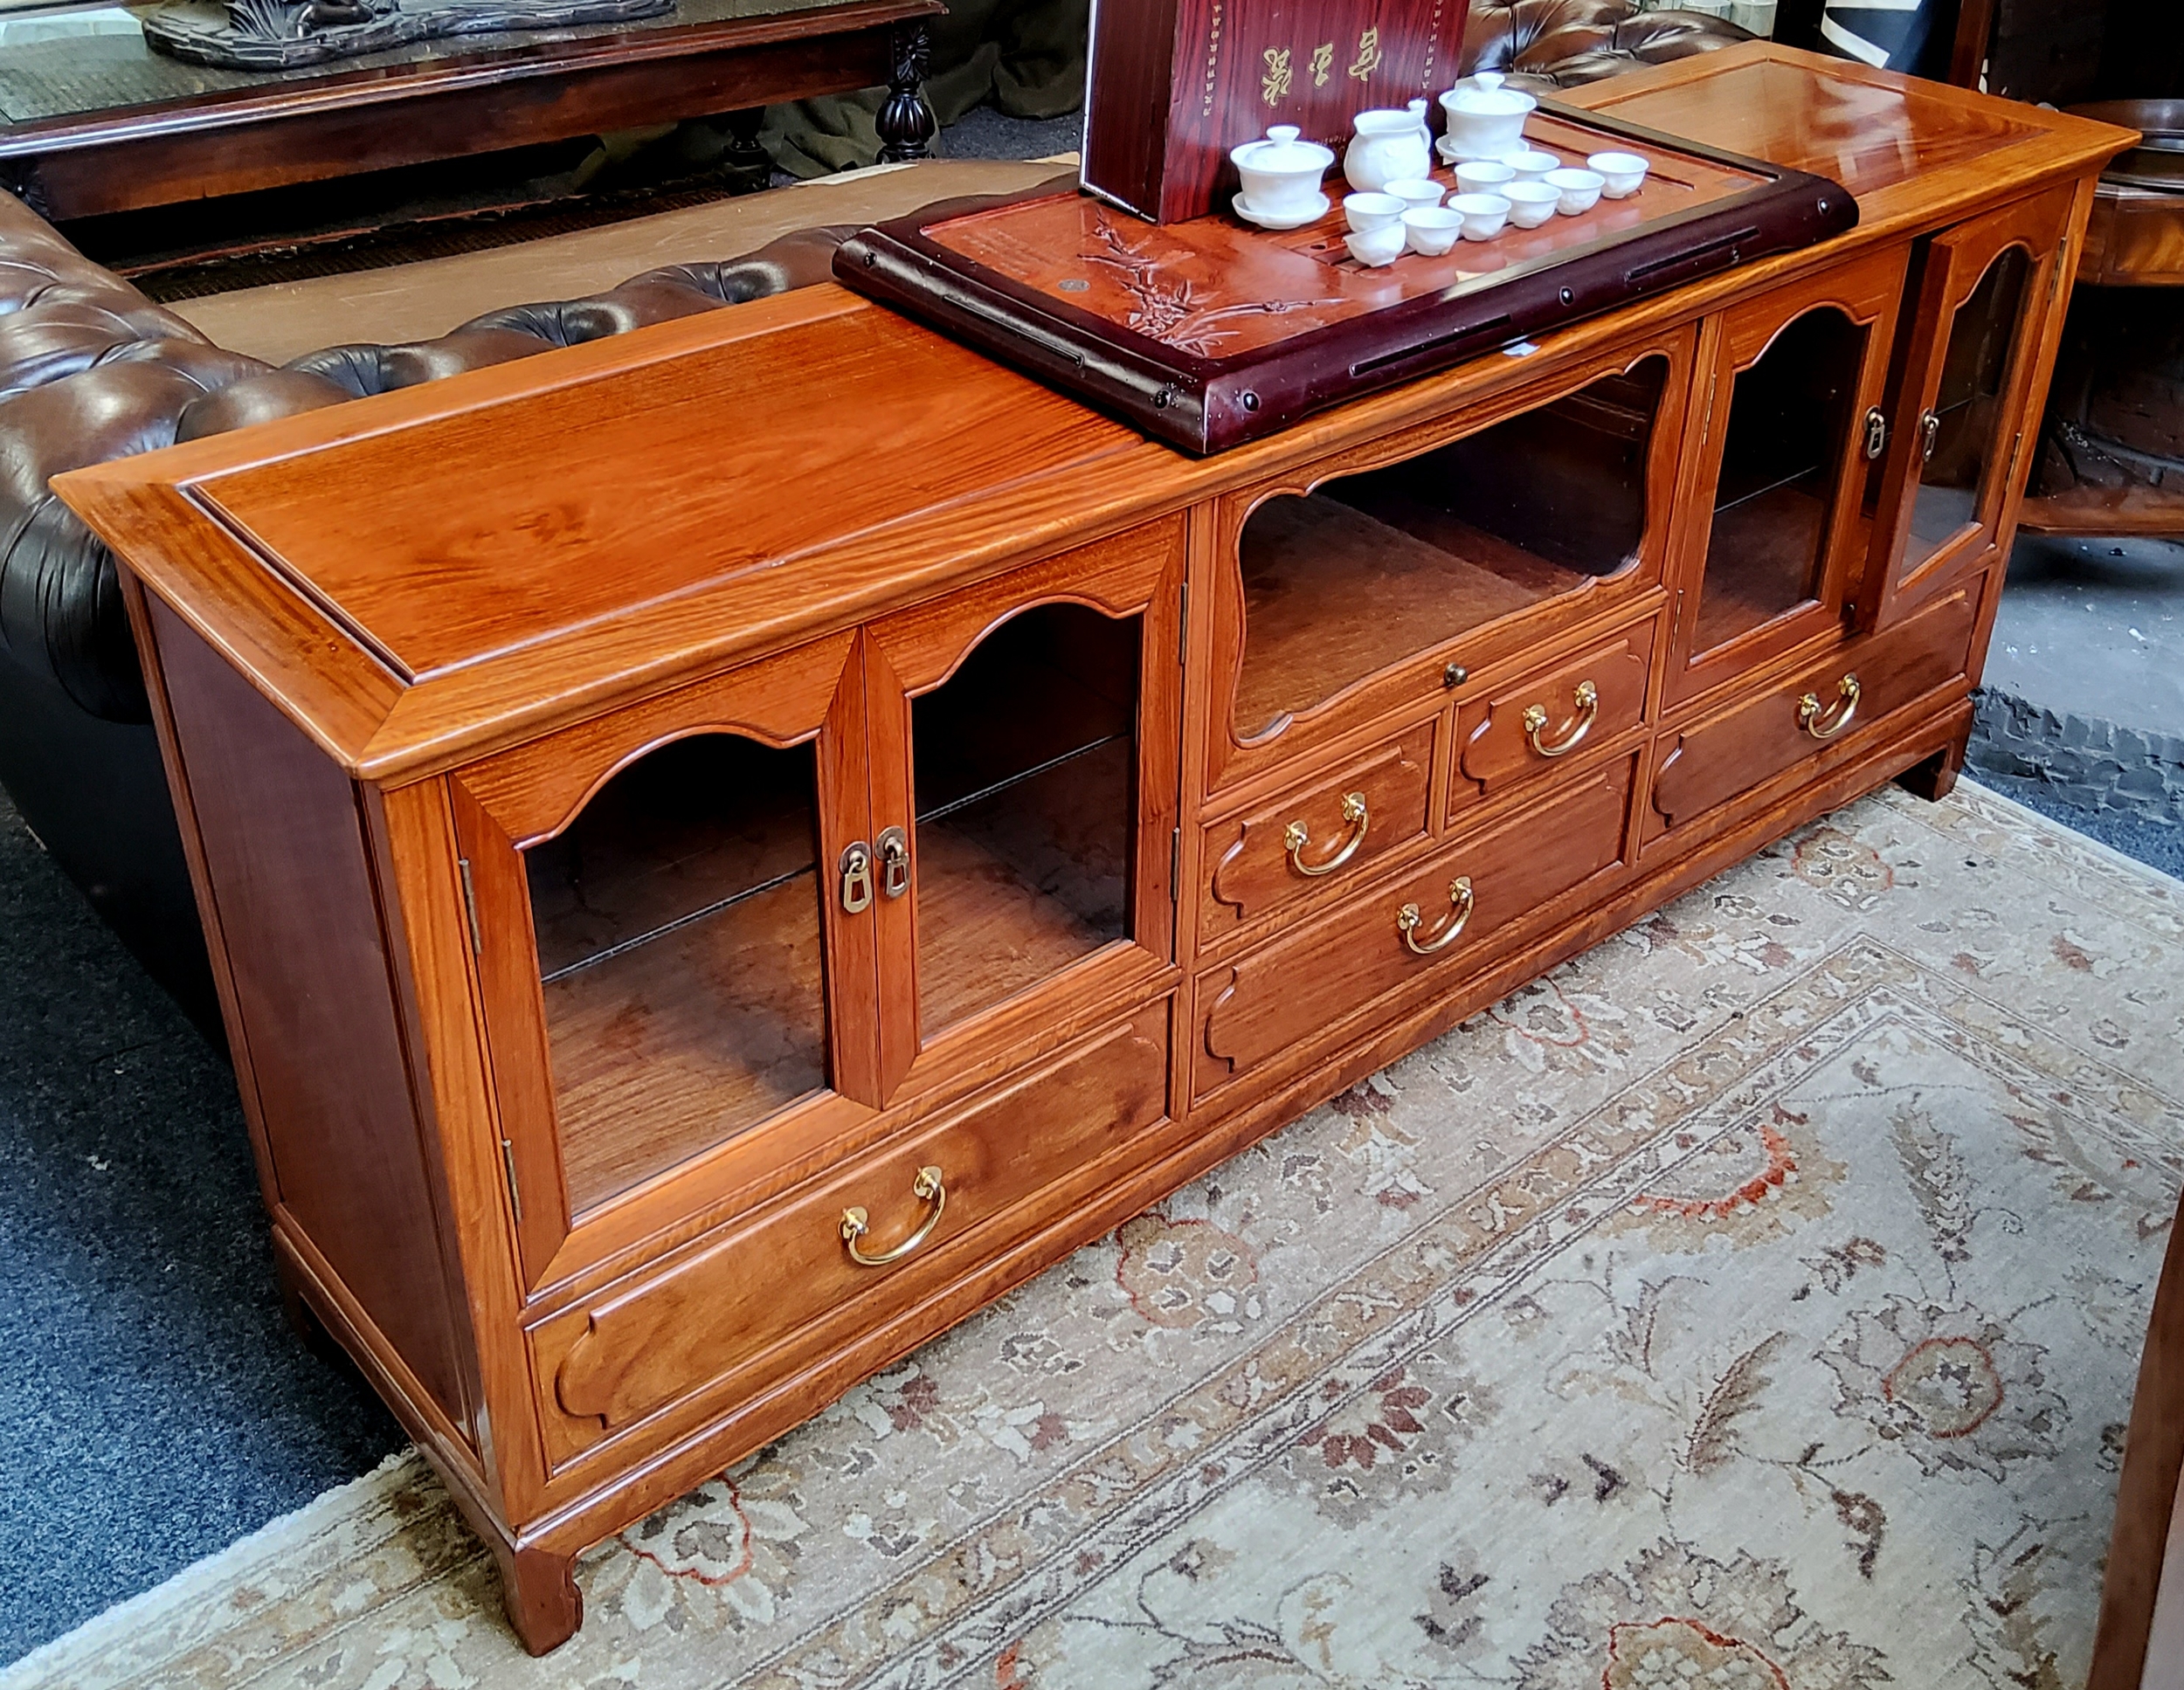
(157, 1406)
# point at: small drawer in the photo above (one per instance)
(640, 1347)
(1528, 727)
(1317, 835)
(1441, 917)
(1798, 718)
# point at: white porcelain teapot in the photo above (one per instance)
(1486, 120)
(1389, 146)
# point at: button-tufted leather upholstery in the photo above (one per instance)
(90, 370)
(1559, 44)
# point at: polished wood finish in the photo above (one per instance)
(1173, 84)
(1092, 697)
(197, 135)
(2139, 1643)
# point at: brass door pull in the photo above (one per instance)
(894, 862)
(1825, 724)
(1589, 712)
(1929, 437)
(1460, 900)
(1299, 836)
(927, 1188)
(857, 879)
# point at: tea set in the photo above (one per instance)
(1394, 207)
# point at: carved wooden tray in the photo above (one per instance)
(1207, 333)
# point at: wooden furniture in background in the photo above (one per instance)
(684, 946)
(104, 123)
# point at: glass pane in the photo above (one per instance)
(678, 924)
(1375, 568)
(1969, 409)
(1789, 425)
(1026, 767)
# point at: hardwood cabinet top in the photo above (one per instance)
(426, 575)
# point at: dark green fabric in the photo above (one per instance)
(1025, 56)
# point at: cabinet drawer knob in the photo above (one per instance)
(1824, 723)
(1589, 712)
(927, 1188)
(1298, 836)
(1460, 900)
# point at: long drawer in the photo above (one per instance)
(1323, 833)
(930, 1207)
(1439, 918)
(1799, 717)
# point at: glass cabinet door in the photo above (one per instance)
(681, 964)
(1776, 528)
(1024, 776)
(659, 904)
(1961, 429)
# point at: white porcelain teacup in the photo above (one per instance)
(1579, 189)
(1416, 192)
(1366, 213)
(1432, 230)
(1484, 215)
(1531, 203)
(1530, 165)
(1620, 173)
(1377, 247)
(1282, 174)
(1484, 176)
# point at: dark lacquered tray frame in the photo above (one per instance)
(1208, 405)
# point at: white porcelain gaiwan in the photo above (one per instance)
(1486, 120)
(1282, 174)
(1389, 146)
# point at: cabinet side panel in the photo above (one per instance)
(283, 845)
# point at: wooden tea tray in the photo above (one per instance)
(1210, 332)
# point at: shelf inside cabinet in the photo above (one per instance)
(1026, 780)
(681, 971)
(1374, 568)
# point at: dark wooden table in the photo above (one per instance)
(102, 123)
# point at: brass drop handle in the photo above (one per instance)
(1460, 900)
(1299, 836)
(926, 1188)
(1875, 432)
(1929, 437)
(1825, 724)
(1589, 712)
(857, 879)
(894, 862)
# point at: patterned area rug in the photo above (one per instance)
(1753, 1304)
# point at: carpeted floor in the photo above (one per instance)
(1753, 1302)
(157, 1406)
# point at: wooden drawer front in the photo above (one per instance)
(1285, 994)
(1527, 727)
(639, 1350)
(1377, 799)
(1735, 750)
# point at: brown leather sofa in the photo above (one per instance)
(90, 370)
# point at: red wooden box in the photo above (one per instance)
(1175, 84)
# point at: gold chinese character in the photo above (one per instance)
(1277, 83)
(1368, 59)
(1323, 62)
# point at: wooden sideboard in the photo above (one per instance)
(727, 848)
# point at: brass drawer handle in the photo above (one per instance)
(1929, 437)
(1299, 836)
(927, 1188)
(1460, 900)
(1826, 724)
(1588, 701)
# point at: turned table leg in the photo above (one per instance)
(905, 123)
(539, 1591)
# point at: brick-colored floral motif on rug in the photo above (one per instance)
(1752, 1304)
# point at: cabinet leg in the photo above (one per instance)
(905, 123)
(539, 1591)
(746, 164)
(1934, 779)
